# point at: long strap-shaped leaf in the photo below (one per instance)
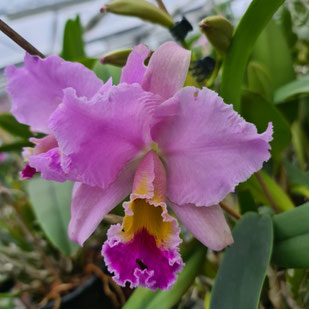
(291, 229)
(241, 275)
(251, 25)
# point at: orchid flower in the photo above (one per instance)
(148, 135)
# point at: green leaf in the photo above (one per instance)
(246, 201)
(295, 175)
(292, 89)
(299, 142)
(281, 199)
(251, 25)
(88, 62)
(51, 203)
(7, 303)
(242, 272)
(140, 298)
(300, 190)
(291, 228)
(291, 223)
(144, 298)
(259, 80)
(287, 27)
(292, 252)
(256, 109)
(276, 57)
(11, 125)
(105, 71)
(73, 45)
(16, 146)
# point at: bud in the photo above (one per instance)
(219, 32)
(141, 9)
(117, 57)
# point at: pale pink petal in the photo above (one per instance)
(207, 147)
(150, 179)
(49, 165)
(207, 224)
(37, 88)
(167, 70)
(44, 158)
(43, 144)
(91, 204)
(134, 70)
(99, 137)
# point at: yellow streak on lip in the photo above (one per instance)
(146, 216)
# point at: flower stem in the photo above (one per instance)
(267, 192)
(162, 6)
(230, 210)
(112, 219)
(18, 39)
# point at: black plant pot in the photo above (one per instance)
(90, 295)
(6, 285)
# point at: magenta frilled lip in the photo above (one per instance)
(140, 262)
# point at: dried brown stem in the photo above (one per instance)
(267, 192)
(162, 6)
(106, 282)
(18, 39)
(230, 210)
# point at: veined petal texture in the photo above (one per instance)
(167, 70)
(98, 137)
(207, 224)
(91, 204)
(134, 70)
(207, 147)
(37, 88)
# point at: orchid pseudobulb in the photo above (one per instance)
(148, 135)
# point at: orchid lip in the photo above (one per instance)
(144, 249)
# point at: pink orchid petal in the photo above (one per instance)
(150, 179)
(44, 158)
(207, 224)
(134, 70)
(49, 165)
(37, 88)
(43, 144)
(99, 137)
(167, 70)
(91, 204)
(207, 147)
